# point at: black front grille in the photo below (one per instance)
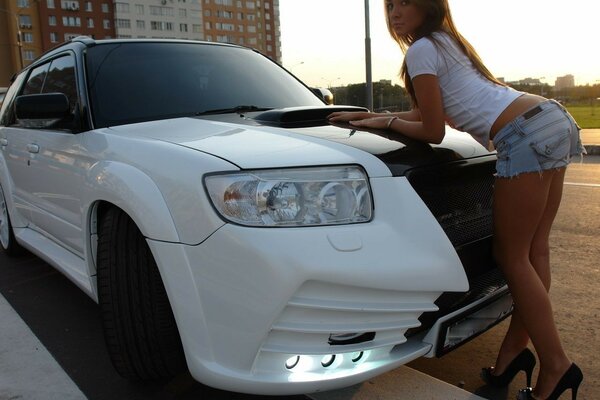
(459, 195)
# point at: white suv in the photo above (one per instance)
(198, 194)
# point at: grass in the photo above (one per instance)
(588, 117)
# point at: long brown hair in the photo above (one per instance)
(438, 18)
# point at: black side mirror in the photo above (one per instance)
(46, 106)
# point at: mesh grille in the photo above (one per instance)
(459, 195)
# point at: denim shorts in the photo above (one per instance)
(544, 137)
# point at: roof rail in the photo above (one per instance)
(88, 41)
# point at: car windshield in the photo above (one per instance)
(134, 82)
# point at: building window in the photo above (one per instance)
(69, 5)
(106, 24)
(28, 55)
(90, 22)
(25, 21)
(71, 21)
(162, 11)
(182, 13)
(122, 8)
(225, 27)
(139, 9)
(28, 37)
(196, 28)
(161, 26)
(251, 17)
(50, 3)
(88, 6)
(52, 20)
(53, 37)
(105, 8)
(250, 4)
(22, 3)
(267, 5)
(123, 23)
(140, 24)
(267, 16)
(183, 28)
(252, 29)
(225, 14)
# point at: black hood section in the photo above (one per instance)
(398, 152)
(298, 117)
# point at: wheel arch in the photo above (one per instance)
(112, 184)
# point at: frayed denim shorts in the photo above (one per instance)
(544, 137)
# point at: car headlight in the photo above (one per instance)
(292, 197)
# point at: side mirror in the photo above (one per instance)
(324, 94)
(46, 106)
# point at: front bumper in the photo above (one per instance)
(249, 300)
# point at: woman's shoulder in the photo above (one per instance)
(424, 44)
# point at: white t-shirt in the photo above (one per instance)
(472, 103)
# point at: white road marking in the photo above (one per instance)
(583, 184)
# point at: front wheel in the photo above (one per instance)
(7, 236)
(139, 327)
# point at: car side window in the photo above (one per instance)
(7, 114)
(61, 79)
(56, 76)
(36, 80)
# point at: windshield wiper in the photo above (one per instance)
(237, 109)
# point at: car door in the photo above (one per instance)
(48, 164)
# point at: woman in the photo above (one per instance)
(535, 139)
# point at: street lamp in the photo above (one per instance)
(369, 79)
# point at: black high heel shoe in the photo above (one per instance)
(570, 380)
(524, 361)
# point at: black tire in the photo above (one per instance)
(7, 235)
(139, 328)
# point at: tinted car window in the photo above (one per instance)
(61, 79)
(36, 80)
(132, 82)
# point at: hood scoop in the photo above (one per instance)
(300, 117)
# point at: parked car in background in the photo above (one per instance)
(198, 194)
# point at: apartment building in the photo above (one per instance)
(159, 19)
(30, 27)
(251, 23)
(20, 36)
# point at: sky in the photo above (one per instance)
(323, 41)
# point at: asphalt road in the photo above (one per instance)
(575, 255)
(67, 322)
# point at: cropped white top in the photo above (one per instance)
(472, 103)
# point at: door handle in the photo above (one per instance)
(33, 148)
(3, 142)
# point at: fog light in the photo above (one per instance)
(328, 360)
(292, 362)
(357, 356)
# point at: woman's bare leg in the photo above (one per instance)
(524, 208)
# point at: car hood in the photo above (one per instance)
(251, 144)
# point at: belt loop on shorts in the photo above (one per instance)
(534, 111)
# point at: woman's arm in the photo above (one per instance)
(429, 127)
(345, 116)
